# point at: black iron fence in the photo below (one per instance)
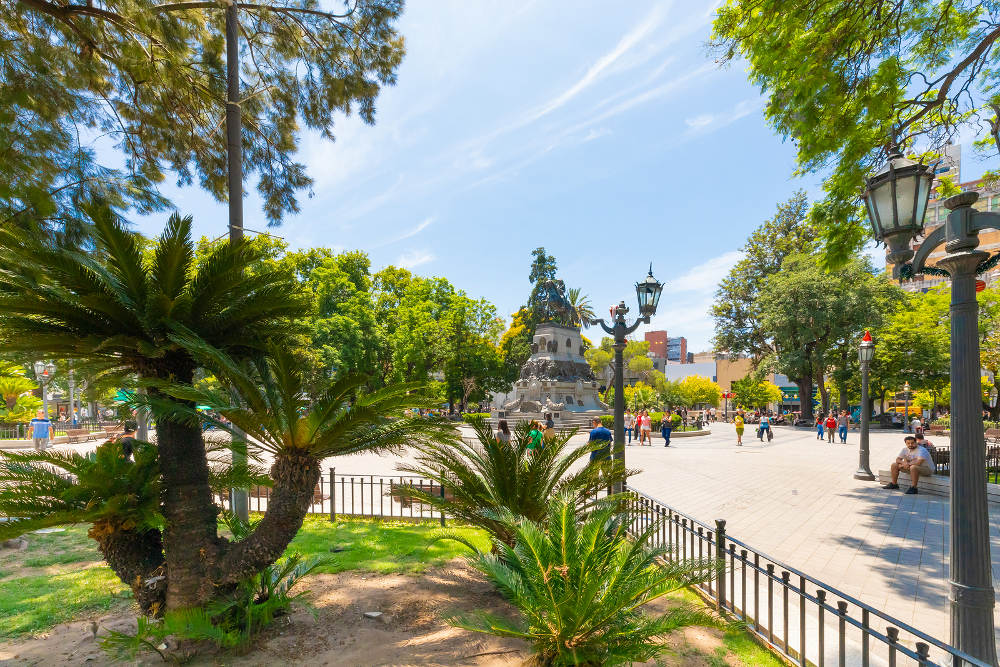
(22, 430)
(804, 619)
(376, 496)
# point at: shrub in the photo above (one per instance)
(608, 421)
(579, 587)
(470, 417)
(496, 479)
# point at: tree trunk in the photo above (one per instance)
(295, 477)
(824, 395)
(805, 397)
(137, 559)
(191, 539)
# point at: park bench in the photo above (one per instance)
(75, 435)
(936, 429)
(993, 436)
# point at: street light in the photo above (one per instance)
(44, 372)
(72, 396)
(906, 407)
(647, 293)
(866, 351)
(896, 199)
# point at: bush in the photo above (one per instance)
(470, 417)
(495, 479)
(580, 584)
(608, 422)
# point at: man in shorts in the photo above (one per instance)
(42, 431)
(915, 460)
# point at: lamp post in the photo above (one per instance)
(906, 407)
(72, 396)
(648, 295)
(866, 351)
(896, 198)
(44, 372)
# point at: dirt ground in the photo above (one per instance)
(336, 632)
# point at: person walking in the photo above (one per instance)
(739, 429)
(819, 426)
(831, 427)
(665, 428)
(646, 426)
(602, 436)
(629, 423)
(765, 425)
(843, 422)
(42, 431)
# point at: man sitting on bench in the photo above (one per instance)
(915, 460)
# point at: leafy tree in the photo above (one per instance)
(515, 344)
(846, 80)
(582, 311)
(671, 394)
(640, 366)
(497, 479)
(806, 311)
(700, 390)
(736, 308)
(127, 315)
(579, 586)
(151, 78)
(600, 360)
(752, 392)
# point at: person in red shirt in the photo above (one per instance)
(831, 427)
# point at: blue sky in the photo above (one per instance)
(605, 133)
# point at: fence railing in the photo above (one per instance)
(375, 496)
(806, 620)
(22, 430)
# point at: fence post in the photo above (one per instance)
(720, 562)
(333, 495)
(442, 511)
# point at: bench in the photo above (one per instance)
(936, 430)
(935, 485)
(993, 436)
(74, 435)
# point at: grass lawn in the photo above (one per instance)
(61, 578)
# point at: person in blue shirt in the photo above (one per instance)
(600, 434)
(41, 431)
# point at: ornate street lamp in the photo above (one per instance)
(43, 373)
(906, 407)
(648, 294)
(866, 352)
(896, 198)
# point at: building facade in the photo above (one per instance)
(657, 343)
(989, 200)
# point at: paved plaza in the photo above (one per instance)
(796, 500)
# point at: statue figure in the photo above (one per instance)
(551, 304)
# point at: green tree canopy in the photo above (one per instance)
(150, 78)
(752, 392)
(700, 390)
(844, 80)
(735, 309)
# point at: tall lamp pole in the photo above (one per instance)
(43, 373)
(866, 351)
(896, 198)
(72, 396)
(906, 407)
(648, 294)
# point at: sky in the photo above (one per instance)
(605, 133)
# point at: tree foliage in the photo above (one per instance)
(736, 308)
(752, 392)
(845, 81)
(700, 390)
(149, 78)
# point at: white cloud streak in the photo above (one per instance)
(414, 258)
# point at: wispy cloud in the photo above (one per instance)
(710, 122)
(408, 234)
(684, 306)
(595, 72)
(414, 258)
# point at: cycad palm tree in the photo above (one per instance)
(12, 386)
(298, 431)
(583, 311)
(496, 479)
(117, 311)
(580, 584)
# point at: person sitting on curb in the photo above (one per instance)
(915, 460)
